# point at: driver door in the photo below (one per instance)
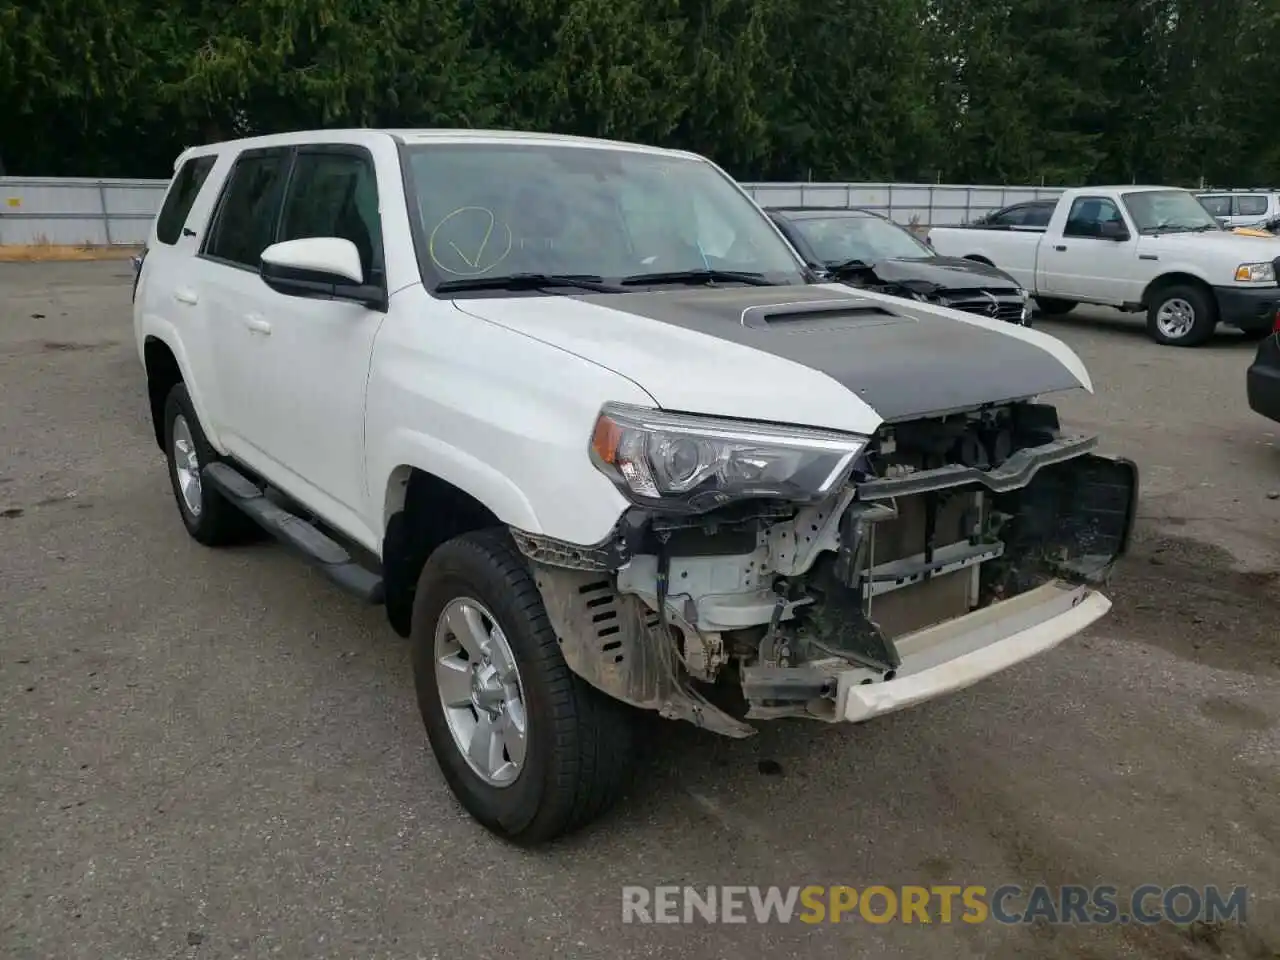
(1083, 264)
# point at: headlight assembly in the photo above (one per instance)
(691, 464)
(1256, 273)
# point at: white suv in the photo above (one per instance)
(574, 411)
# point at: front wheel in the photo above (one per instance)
(1181, 316)
(1052, 306)
(530, 750)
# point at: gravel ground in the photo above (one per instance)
(216, 754)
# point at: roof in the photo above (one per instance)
(818, 213)
(429, 135)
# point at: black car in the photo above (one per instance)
(1028, 215)
(1262, 381)
(866, 250)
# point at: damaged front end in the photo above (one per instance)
(949, 548)
(968, 286)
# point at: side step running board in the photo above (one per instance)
(293, 531)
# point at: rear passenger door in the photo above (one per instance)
(230, 293)
(305, 399)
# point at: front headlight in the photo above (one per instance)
(1256, 273)
(690, 464)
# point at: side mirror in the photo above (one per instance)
(1114, 230)
(321, 268)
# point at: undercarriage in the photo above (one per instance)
(955, 538)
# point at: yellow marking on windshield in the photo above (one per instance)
(475, 262)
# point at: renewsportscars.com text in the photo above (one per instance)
(944, 904)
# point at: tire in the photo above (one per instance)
(208, 516)
(1181, 315)
(1256, 334)
(1052, 306)
(577, 742)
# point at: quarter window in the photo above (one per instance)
(245, 223)
(182, 194)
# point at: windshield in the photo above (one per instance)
(490, 210)
(865, 238)
(1168, 211)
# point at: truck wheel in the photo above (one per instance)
(1181, 315)
(1053, 306)
(208, 516)
(529, 749)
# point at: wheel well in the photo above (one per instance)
(163, 374)
(422, 512)
(1170, 280)
(977, 259)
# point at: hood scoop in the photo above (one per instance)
(825, 315)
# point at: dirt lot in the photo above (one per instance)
(216, 754)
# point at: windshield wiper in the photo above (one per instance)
(698, 276)
(530, 281)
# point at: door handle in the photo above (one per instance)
(1060, 247)
(189, 297)
(256, 324)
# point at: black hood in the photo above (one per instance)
(937, 275)
(902, 358)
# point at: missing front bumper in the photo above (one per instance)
(936, 660)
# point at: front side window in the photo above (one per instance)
(182, 194)
(245, 223)
(1038, 214)
(1169, 211)
(865, 238)
(334, 193)
(492, 210)
(1218, 206)
(1088, 214)
(1008, 217)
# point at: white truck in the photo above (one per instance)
(1141, 249)
(581, 419)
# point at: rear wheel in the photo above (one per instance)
(529, 749)
(1052, 306)
(1181, 315)
(208, 516)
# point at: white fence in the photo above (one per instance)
(101, 212)
(77, 210)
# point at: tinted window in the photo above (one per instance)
(182, 194)
(496, 209)
(335, 194)
(1008, 217)
(1038, 214)
(1253, 205)
(1087, 216)
(245, 224)
(1218, 206)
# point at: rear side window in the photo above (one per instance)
(1251, 206)
(245, 223)
(182, 194)
(334, 193)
